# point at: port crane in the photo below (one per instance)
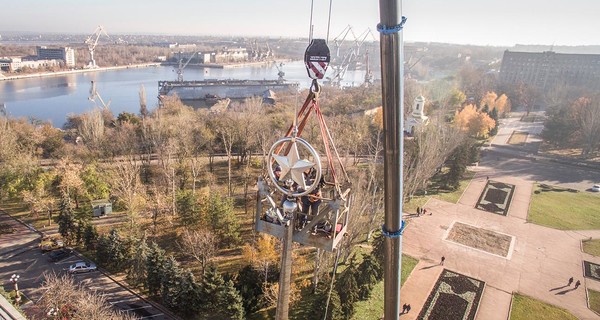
(350, 57)
(94, 94)
(280, 72)
(92, 42)
(183, 65)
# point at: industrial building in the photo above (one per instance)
(66, 54)
(548, 70)
(12, 64)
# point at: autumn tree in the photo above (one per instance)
(476, 123)
(262, 255)
(587, 112)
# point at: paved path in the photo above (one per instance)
(541, 262)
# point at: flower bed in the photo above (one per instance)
(591, 270)
(496, 197)
(454, 297)
(481, 239)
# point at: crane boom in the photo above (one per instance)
(182, 66)
(92, 42)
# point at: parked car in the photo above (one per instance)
(51, 243)
(60, 254)
(596, 188)
(81, 267)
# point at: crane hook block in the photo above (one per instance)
(316, 58)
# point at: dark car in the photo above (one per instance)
(58, 255)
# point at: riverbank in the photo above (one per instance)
(59, 73)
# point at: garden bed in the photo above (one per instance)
(591, 270)
(480, 239)
(518, 137)
(496, 197)
(454, 297)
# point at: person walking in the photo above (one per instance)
(442, 261)
(408, 308)
(570, 281)
(404, 307)
(577, 284)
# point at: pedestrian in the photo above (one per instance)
(424, 211)
(570, 281)
(408, 308)
(404, 306)
(577, 284)
(487, 178)
(418, 211)
(442, 261)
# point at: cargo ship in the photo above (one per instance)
(209, 92)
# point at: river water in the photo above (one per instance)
(53, 98)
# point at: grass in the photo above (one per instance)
(529, 118)
(373, 308)
(594, 300)
(592, 247)
(564, 210)
(435, 190)
(524, 307)
(518, 137)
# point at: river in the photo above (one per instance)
(53, 98)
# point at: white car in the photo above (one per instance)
(82, 266)
(596, 188)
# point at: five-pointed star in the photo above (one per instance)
(292, 164)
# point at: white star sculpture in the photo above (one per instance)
(294, 165)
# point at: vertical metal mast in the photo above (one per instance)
(392, 76)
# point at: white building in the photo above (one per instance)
(66, 54)
(417, 118)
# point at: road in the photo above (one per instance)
(26, 259)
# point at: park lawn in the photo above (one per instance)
(436, 191)
(565, 210)
(523, 307)
(594, 300)
(592, 247)
(373, 308)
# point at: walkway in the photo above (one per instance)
(542, 259)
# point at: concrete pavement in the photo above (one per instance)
(542, 260)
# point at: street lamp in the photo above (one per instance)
(14, 279)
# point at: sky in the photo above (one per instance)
(479, 22)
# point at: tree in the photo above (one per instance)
(347, 288)
(476, 123)
(137, 271)
(222, 300)
(66, 220)
(201, 245)
(171, 283)
(155, 265)
(90, 235)
(73, 301)
(187, 209)
(334, 309)
(262, 255)
(457, 165)
(367, 276)
(94, 184)
(226, 127)
(221, 218)
(250, 284)
(190, 301)
(588, 118)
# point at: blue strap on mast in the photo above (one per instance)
(392, 235)
(389, 30)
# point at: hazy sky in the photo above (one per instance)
(483, 22)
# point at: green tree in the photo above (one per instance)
(95, 186)
(221, 218)
(115, 250)
(458, 165)
(368, 273)
(189, 297)
(347, 288)
(66, 220)
(155, 265)
(334, 309)
(171, 283)
(187, 208)
(221, 299)
(136, 273)
(90, 235)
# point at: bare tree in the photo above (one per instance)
(71, 301)
(200, 245)
(589, 123)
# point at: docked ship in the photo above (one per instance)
(208, 92)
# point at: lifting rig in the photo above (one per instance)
(285, 219)
(92, 42)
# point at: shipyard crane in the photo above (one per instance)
(280, 72)
(92, 42)
(183, 65)
(94, 94)
(350, 57)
